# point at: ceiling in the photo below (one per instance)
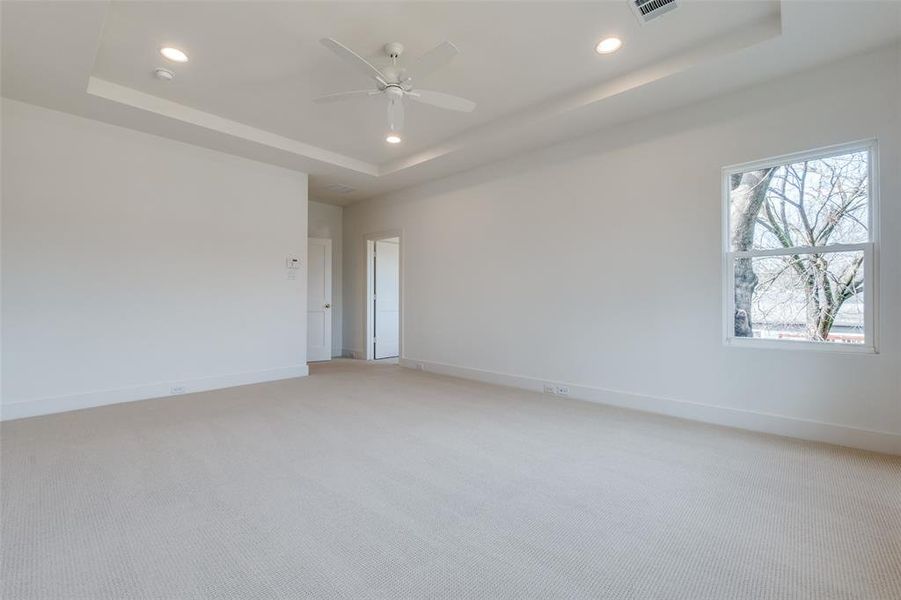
(262, 63)
(530, 66)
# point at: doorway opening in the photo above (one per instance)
(383, 303)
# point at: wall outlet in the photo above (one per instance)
(556, 390)
(178, 389)
(419, 366)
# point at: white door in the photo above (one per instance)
(319, 299)
(386, 304)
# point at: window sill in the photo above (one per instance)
(768, 344)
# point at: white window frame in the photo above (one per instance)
(870, 250)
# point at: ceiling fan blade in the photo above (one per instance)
(433, 60)
(354, 59)
(442, 100)
(343, 96)
(395, 114)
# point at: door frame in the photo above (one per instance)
(328, 293)
(369, 240)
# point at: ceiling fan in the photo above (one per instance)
(396, 83)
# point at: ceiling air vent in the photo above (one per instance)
(339, 188)
(646, 10)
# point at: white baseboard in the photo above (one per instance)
(44, 406)
(842, 435)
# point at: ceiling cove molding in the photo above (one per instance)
(173, 110)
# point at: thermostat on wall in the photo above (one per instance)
(292, 262)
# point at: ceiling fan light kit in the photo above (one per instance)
(395, 83)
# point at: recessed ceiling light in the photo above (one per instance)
(393, 138)
(174, 54)
(608, 45)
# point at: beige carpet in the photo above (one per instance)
(371, 481)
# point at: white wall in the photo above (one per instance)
(325, 222)
(133, 264)
(598, 264)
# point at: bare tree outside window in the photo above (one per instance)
(799, 241)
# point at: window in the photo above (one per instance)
(799, 245)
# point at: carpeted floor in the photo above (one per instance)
(372, 481)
